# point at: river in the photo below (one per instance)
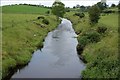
(58, 58)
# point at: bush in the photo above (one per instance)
(45, 21)
(81, 15)
(94, 14)
(40, 17)
(108, 11)
(83, 40)
(76, 14)
(86, 38)
(101, 29)
(101, 63)
(48, 12)
(93, 36)
(67, 10)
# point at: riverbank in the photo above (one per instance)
(22, 35)
(98, 45)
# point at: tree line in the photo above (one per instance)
(58, 9)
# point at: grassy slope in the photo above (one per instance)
(101, 57)
(24, 9)
(21, 36)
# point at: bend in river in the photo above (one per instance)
(58, 58)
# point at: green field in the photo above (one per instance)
(22, 34)
(24, 9)
(102, 57)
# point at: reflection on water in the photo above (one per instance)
(58, 58)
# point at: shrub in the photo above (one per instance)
(93, 36)
(83, 40)
(81, 15)
(48, 12)
(45, 21)
(40, 17)
(76, 14)
(67, 10)
(101, 29)
(108, 11)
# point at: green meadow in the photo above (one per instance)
(22, 34)
(24, 9)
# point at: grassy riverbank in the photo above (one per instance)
(22, 34)
(102, 55)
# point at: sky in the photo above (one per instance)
(68, 3)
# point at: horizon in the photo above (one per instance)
(49, 3)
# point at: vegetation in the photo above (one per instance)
(101, 29)
(101, 5)
(97, 44)
(45, 21)
(25, 9)
(101, 56)
(58, 9)
(22, 34)
(94, 14)
(80, 15)
(113, 5)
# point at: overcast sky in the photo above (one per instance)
(68, 3)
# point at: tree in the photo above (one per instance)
(94, 14)
(58, 9)
(113, 5)
(67, 9)
(82, 8)
(74, 7)
(102, 5)
(77, 6)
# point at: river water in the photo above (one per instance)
(58, 58)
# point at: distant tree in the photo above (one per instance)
(77, 6)
(113, 5)
(87, 8)
(67, 9)
(58, 9)
(118, 6)
(94, 14)
(74, 7)
(82, 8)
(101, 5)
